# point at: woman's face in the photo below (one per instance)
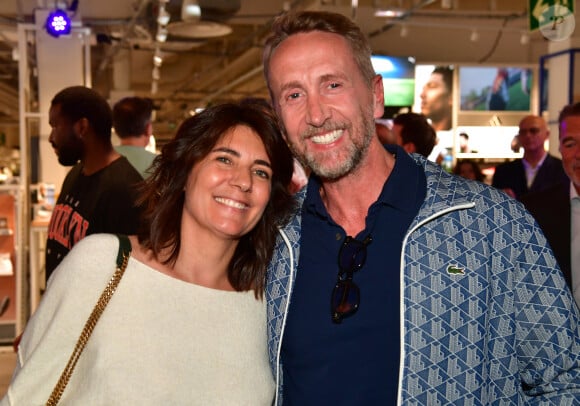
(466, 170)
(226, 193)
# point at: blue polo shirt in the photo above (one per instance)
(355, 362)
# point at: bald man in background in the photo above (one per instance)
(537, 169)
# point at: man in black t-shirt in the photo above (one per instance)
(98, 194)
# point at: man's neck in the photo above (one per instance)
(534, 157)
(348, 199)
(137, 141)
(94, 162)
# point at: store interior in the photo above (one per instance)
(188, 54)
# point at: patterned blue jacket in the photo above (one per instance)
(486, 317)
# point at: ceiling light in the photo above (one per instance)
(389, 12)
(163, 16)
(474, 37)
(525, 38)
(58, 23)
(161, 34)
(404, 31)
(190, 10)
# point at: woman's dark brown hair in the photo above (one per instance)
(479, 176)
(162, 194)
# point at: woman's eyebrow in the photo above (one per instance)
(237, 154)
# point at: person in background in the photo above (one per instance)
(192, 293)
(413, 132)
(132, 123)
(418, 286)
(98, 193)
(437, 98)
(499, 95)
(464, 143)
(537, 169)
(469, 169)
(557, 208)
(384, 131)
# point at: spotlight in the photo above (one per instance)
(163, 17)
(161, 34)
(58, 23)
(190, 10)
(525, 38)
(474, 37)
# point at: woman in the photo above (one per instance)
(469, 169)
(186, 324)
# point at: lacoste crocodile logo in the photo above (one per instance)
(455, 270)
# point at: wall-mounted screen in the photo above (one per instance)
(398, 79)
(492, 88)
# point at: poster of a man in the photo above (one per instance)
(437, 98)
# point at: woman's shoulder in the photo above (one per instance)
(91, 260)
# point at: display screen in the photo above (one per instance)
(489, 88)
(398, 79)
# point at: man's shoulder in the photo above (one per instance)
(552, 158)
(122, 167)
(553, 162)
(133, 150)
(507, 165)
(558, 192)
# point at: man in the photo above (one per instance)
(98, 194)
(437, 98)
(557, 208)
(132, 123)
(395, 281)
(537, 169)
(414, 133)
(464, 143)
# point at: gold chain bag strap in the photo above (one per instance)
(122, 259)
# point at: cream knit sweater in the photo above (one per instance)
(160, 341)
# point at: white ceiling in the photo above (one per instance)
(229, 67)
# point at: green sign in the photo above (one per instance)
(543, 13)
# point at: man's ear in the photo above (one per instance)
(378, 96)
(81, 127)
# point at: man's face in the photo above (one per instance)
(435, 98)
(326, 107)
(533, 133)
(570, 148)
(67, 144)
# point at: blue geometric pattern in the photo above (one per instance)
(487, 318)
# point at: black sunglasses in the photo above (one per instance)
(346, 294)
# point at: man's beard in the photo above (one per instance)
(341, 166)
(70, 153)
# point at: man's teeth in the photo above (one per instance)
(230, 202)
(327, 138)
